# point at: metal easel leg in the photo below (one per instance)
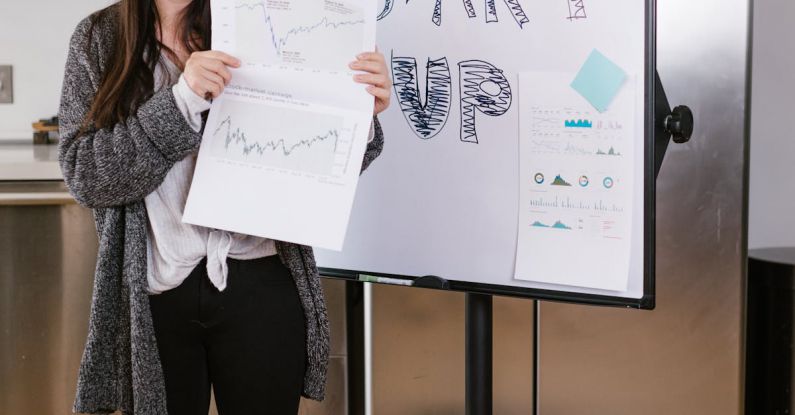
(536, 353)
(479, 354)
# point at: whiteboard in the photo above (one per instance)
(443, 197)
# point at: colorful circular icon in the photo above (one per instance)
(539, 178)
(608, 182)
(584, 181)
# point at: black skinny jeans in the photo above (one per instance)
(247, 341)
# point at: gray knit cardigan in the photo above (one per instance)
(111, 170)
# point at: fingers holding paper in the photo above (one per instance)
(207, 73)
(376, 76)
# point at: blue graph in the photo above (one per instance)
(556, 225)
(561, 225)
(578, 124)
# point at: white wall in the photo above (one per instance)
(772, 198)
(34, 36)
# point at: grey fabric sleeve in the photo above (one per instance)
(123, 163)
(190, 105)
(374, 146)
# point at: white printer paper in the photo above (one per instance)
(576, 185)
(283, 145)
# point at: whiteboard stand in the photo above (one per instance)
(479, 354)
(536, 353)
(356, 337)
(479, 338)
(479, 348)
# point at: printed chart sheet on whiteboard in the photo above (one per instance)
(576, 181)
(283, 145)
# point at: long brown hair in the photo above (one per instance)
(128, 79)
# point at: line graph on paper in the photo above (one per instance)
(282, 138)
(318, 34)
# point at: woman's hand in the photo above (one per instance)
(207, 73)
(377, 78)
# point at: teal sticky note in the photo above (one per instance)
(599, 80)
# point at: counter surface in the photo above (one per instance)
(29, 162)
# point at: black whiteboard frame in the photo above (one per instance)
(648, 300)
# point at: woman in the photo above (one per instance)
(178, 308)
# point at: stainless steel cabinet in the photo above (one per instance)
(48, 249)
